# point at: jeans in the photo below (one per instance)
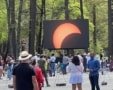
(9, 72)
(52, 67)
(94, 82)
(64, 68)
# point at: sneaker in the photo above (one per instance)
(53, 75)
(48, 85)
(10, 86)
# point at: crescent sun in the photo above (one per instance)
(62, 31)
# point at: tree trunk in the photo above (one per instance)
(8, 22)
(19, 28)
(12, 29)
(95, 31)
(82, 17)
(32, 26)
(39, 36)
(10, 5)
(110, 29)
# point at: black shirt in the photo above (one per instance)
(23, 73)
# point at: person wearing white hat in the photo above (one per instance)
(24, 77)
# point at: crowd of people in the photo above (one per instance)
(29, 72)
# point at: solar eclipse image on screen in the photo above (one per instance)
(66, 34)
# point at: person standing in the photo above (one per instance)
(39, 75)
(36, 57)
(41, 64)
(52, 64)
(84, 62)
(9, 70)
(75, 68)
(65, 62)
(1, 67)
(93, 68)
(24, 77)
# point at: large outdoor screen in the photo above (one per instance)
(66, 34)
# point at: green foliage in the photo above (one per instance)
(74, 10)
(3, 23)
(55, 10)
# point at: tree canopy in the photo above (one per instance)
(54, 10)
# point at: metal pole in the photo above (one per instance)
(82, 16)
(81, 9)
(66, 16)
(66, 10)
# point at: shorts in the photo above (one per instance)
(75, 79)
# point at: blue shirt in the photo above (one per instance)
(52, 59)
(95, 66)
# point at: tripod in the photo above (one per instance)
(60, 76)
(104, 70)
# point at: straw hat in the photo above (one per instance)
(24, 55)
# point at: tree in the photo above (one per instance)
(10, 5)
(19, 28)
(39, 43)
(32, 26)
(110, 28)
(3, 29)
(98, 10)
(51, 10)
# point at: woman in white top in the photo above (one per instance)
(76, 69)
